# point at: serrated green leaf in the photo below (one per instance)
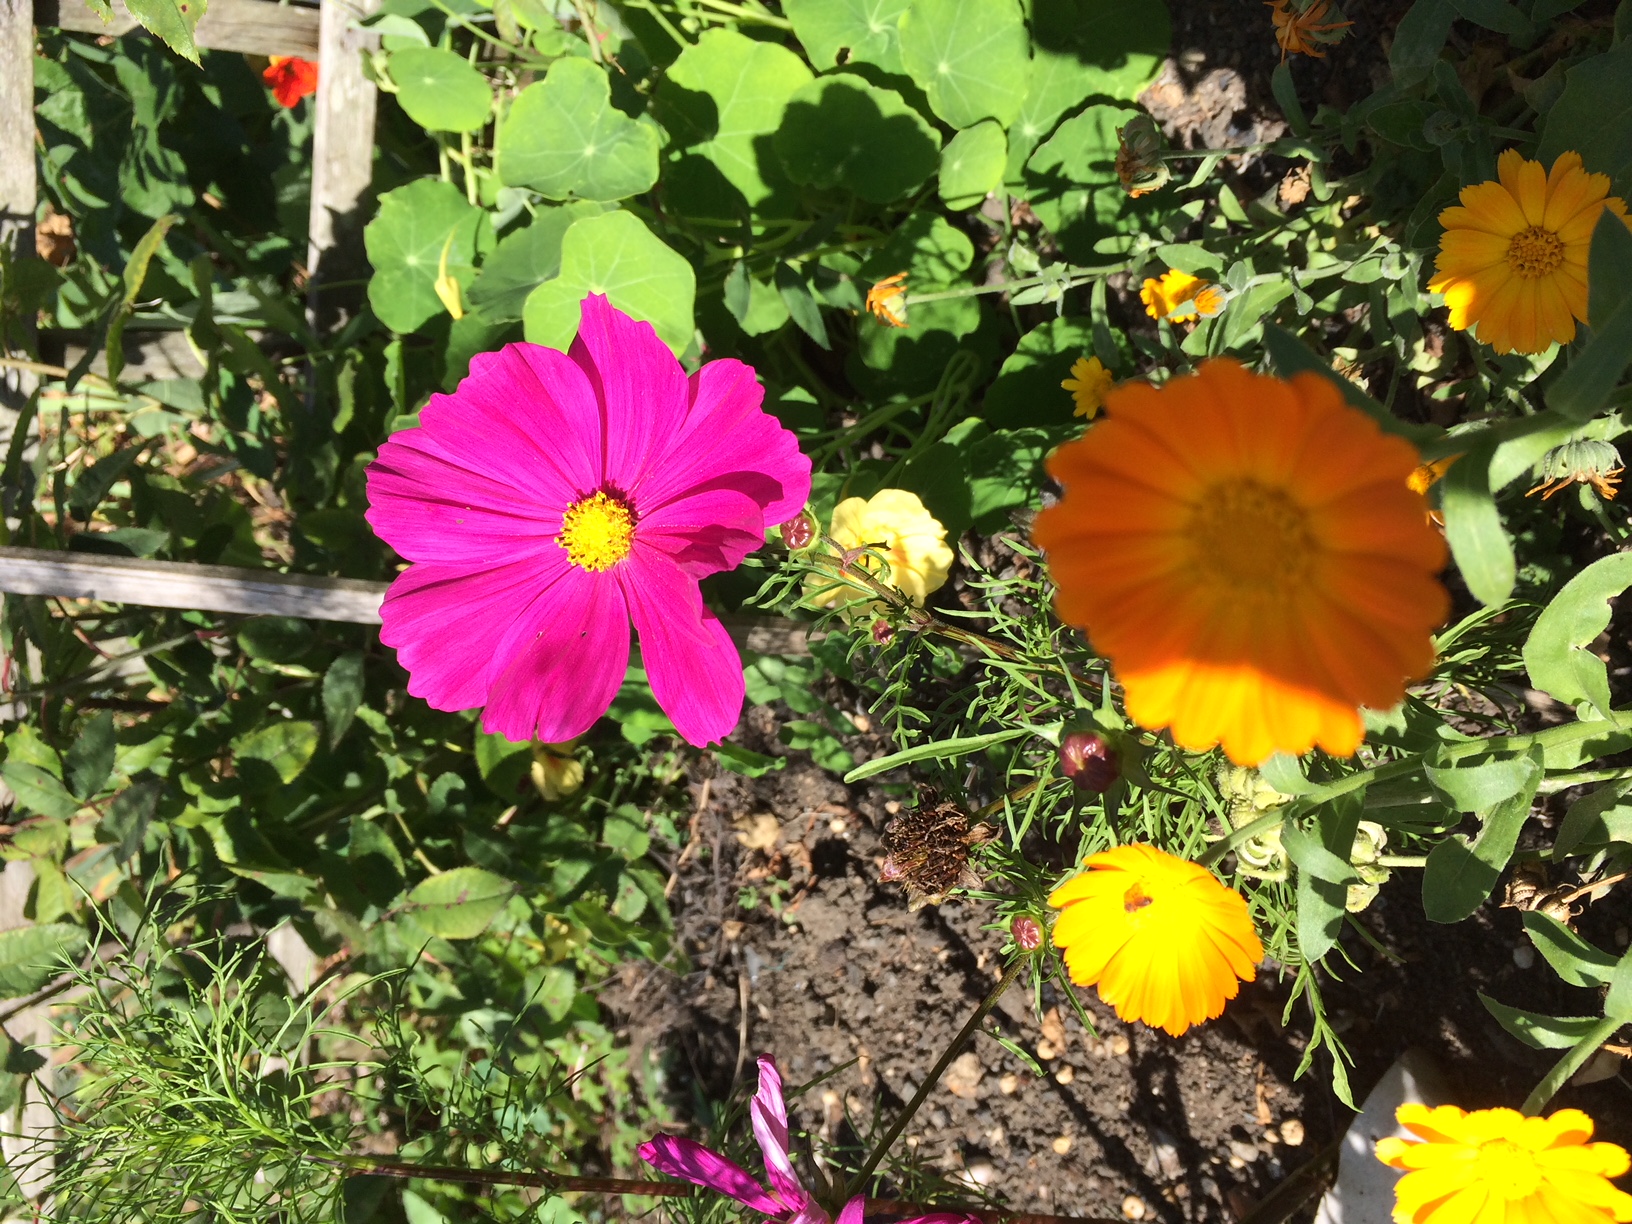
(969, 56)
(38, 789)
(173, 21)
(89, 760)
(617, 255)
(564, 139)
(30, 956)
(440, 90)
(285, 744)
(459, 904)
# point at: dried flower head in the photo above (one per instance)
(1139, 164)
(928, 850)
(1584, 461)
(1302, 26)
(887, 300)
(1089, 760)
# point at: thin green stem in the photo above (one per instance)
(935, 1073)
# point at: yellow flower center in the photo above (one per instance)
(597, 532)
(1535, 252)
(1508, 1170)
(1247, 536)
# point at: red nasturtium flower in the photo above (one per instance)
(556, 497)
(290, 78)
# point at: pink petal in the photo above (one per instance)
(641, 387)
(693, 666)
(939, 1217)
(447, 622)
(706, 532)
(770, 1119)
(562, 660)
(685, 1158)
(853, 1211)
(526, 415)
(728, 440)
(430, 506)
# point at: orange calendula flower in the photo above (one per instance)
(1247, 554)
(1301, 26)
(888, 300)
(1425, 476)
(1164, 941)
(1512, 261)
(290, 78)
(1088, 383)
(1500, 1167)
(1178, 295)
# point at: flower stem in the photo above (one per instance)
(935, 1073)
(502, 1177)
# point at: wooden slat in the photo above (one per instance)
(255, 27)
(17, 186)
(342, 163)
(221, 588)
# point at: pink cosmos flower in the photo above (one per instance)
(787, 1197)
(556, 497)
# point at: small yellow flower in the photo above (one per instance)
(557, 773)
(1512, 261)
(1178, 295)
(888, 300)
(1301, 26)
(446, 285)
(1165, 942)
(1088, 383)
(1499, 1166)
(894, 523)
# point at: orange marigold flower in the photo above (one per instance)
(1512, 261)
(290, 78)
(1088, 383)
(1301, 26)
(1164, 941)
(1178, 295)
(1499, 1166)
(888, 300)
(1247, 554)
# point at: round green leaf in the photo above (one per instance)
(405, 242)
(970, 56)
(972, 164)
(617, 255)
(723, 98)
(1072, 185)
(864, 31)
(459, 904)
(840, 131)
(440, 90)
(564, 138)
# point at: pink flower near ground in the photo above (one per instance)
(555, 498)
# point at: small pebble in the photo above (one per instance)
(1524, 956)
(837, 824)
(1062, 1145)
(1272, 1135)
(1046, 1050)
(1246, 1153)
(1237, 1163)
(1120, 1045)
(1292, 1133)
(1134, 1207)
(980, 1174)
(1065, 1074)
(1009, 1085)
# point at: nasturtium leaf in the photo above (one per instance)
(1072, 185)
(405, 243)
(969, 56)
(524, 259)
(841, 131)
(617, 255)
(285, 744)
(440, 90)
(932, 251)
(724, 98)
(755, 305)
(1557, 655)
(1593, 117)
(563, 138)
(1027, 388)
(173, 21)
(458, 904)
(972, 165)
(30, 956)
(935, 255)
(849, 31)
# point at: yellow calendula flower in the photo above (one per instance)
(1178, 295)
(1512, 261)
(896, 524)
(887, 300)
(1088, 383)
(556, 771)
(1496, 1166)
(1165, 942)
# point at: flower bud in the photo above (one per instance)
(1027, 932)
(883, 632)
(799, 532)
(1088, 759)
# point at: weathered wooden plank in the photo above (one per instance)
(255, 27)
(17, 186)
(221, 588)
(342, 162)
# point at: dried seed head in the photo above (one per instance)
(883, 632)
(928, 851)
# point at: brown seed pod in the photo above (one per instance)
(929, 850)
